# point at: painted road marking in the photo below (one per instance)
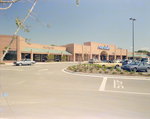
(4, 95)
(118, 84)
(103, 84)
(137, 93)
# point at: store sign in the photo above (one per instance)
(104, 47)
(48, 47)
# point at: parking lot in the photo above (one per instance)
(48, 91)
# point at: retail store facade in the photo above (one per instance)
(20, 49)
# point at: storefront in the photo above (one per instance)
(70, 52)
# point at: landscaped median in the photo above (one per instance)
(99, 69)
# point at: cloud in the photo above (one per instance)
(145, 48)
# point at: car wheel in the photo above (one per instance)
(20, 64)
(135, 69)
(147, 69)
(117, 67)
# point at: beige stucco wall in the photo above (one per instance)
(87, 47)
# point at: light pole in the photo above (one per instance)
(133, 34)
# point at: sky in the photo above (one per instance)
(101, 21)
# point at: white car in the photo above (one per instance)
(94, 61)
(24, 62)
(117, 61)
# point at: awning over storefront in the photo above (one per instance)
(138, 55)
(39, 50)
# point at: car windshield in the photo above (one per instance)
(134, 63)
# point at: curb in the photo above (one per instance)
(104, 75)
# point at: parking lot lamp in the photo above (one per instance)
(133, 34)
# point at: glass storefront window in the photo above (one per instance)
(11, 55)
(37, 57)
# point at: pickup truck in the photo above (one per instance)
(24, 62)
(110, 64)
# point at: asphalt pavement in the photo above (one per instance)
(46, 90)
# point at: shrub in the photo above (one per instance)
(84, 64)
(100, 66)
(100, 71)
(106, 72)
(104, 69)
(114, 72)
(80, 70)
(121, 72)
(140, 73)
(125, 70)
(97, 68)
(73, 66)
(148, 74)
(132, 72)
(70, 68)
(111, 69)
(75, 69)
(91, 69)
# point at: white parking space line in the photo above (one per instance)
(103, 84)
(137, 93)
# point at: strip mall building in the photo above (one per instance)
(20, 49)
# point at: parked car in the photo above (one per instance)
(147, 59)
(148, 62)
(94, 61)
(24, 62)
(117, 61)
(123, 60)
(136, 66)
(109, 63)
(126, 62)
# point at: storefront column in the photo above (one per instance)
(107, 57)
(68, 57)
(98, 57)
(1, 53)
(126, 54)
(31, 54)
(82, 57)
(73, 57)
(61, 56)
(41, 56)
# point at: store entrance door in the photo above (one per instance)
(103, 56)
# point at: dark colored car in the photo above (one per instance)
(136, 66)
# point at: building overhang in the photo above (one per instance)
(44, 51)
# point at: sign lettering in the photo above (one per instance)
(104, 47)
(48, 47)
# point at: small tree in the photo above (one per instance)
(63, 58)
(50, 57)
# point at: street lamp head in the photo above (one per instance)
(132, 19)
